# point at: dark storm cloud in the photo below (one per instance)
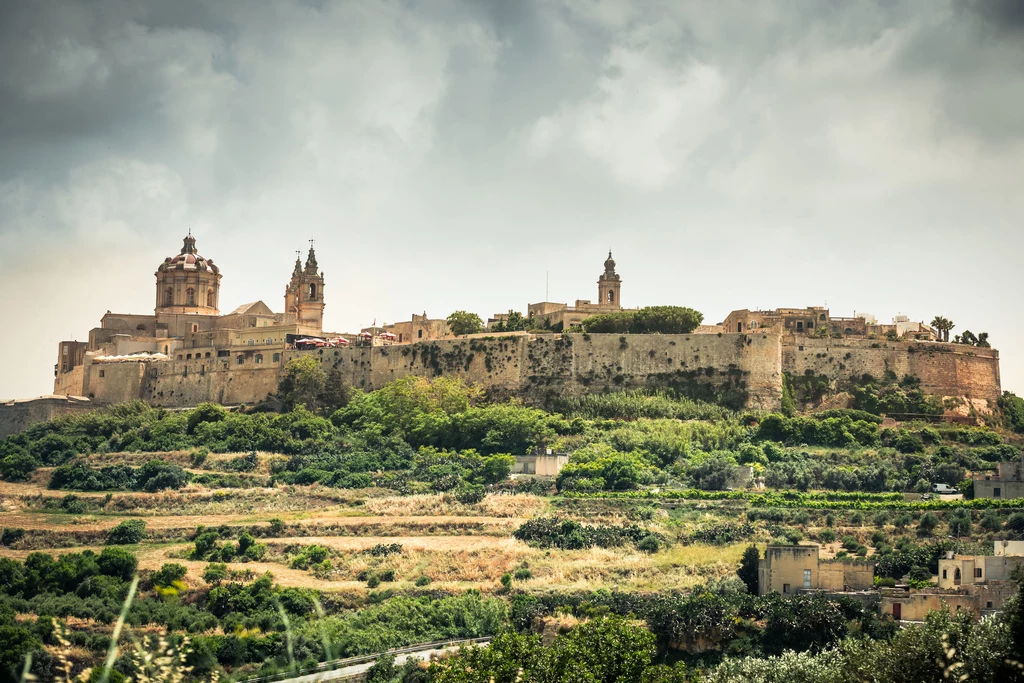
(728, 150)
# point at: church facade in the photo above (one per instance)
(186, 323)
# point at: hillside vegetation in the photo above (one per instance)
(393, 515)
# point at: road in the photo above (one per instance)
(356, 669)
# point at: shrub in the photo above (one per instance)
(373, 581)
(168, 574)
(214, 573)
(506, 580)
(469, 494)
(128, 532)
(423, 581)
(522, 574)
(648, 544)
(926, 525)
(11, 535)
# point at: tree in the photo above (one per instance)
(128, 532)
(304, 381)
(748, 568)
(666, 320)
(927, 523)
(514, 322)
(942, 326)
(461, 322)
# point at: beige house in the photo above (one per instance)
(1008, 482)
(790, 569)
(547, 464)
(980, 584)
(807, 321)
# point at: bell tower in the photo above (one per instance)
(609, 285)
(304, 296)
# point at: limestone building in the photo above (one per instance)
(808, 321)
(560, 317)
(1007, 482)
(187, 323)
(789, 569)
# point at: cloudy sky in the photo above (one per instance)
(448, 155)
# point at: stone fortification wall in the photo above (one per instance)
(944, 369)
(17, 416)
(745, 368)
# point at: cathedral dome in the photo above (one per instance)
(188, 259)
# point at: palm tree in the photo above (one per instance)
(943, 326)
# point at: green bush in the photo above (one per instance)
(128, 532)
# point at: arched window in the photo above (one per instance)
(168, 296)
(239, 360)
(209, 298)
(821, 317)
(165, 348)
(207, 355)
(188, 356)
(190, 297)
(312, 291)
(611, 296)
(259, 359)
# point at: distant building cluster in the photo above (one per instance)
(979, 584)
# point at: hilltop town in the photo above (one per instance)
(703, 499)
(187, 352)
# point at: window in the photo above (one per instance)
(400, 336)
(165, 349)
(195, 327)
(153, 373)
(419, 334)
(997, 492)
(956, 574)
(251, 342)
(168, 296)
(801, 348)
(64, 350)
(223, 354)
(207, 355)
(239, 360)
(821, 317)
(944, 573)
(258, 359)
(102, 373)
(988, 605)
(611, 296)
(739, 327)
(179, 356)
(209, 298)
(785, 588)
(977, 572)
(277, 358)
(268, 340)
(312, 291)
(188, 356)
(807, 578)
(190, 297)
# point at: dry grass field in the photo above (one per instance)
(453, 545)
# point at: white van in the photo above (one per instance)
(943, 488)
